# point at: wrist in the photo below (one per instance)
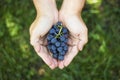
(72, 6)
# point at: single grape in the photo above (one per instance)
(66, 40)
(53, 40)
(59, 23)
(49, 37)
(57, 44)
(59, 49)
(62, 53)
(65, 48)
(63, 44)
(55, 56)
(62, 38)
(64, 30)
(53, 47)
(60, 57)
(52, 31)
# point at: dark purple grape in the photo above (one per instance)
(62, 53)
(65, 48)
(53, 40)
(63, 44)
(59, 49)
(60, 57)
(54, 52)
(66, 40)
(57, 44)
(55, 56)
(59, 23)
(64, 30)
(49, 37)
(62, 38)
(49, 47)
(57, 41)
(52, 31)
(53, 47)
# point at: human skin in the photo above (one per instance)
(70, 15)
(47, 15)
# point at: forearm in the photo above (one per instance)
(44, 7)
(73, 6)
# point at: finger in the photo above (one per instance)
(37, 31)
(46, 57)
(70, 42)
(55, 62)
(69, 57)
(83, 39)
(60, 64)
(81, 45)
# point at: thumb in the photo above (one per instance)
(38, 29)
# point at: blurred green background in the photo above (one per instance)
(100, 59)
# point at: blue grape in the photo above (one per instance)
(55, 56)
(66, 40)
(65, 48)
(62, 53)
(49, 47)
(64, 30)
(54, 51)
(52, 31)
(53, 47)
(59, 23)
(49, 37)
(62, 38)
(63, 44)
(53, 40)
(60, 57)
(57, 41)
(60, 49)
(57, 44)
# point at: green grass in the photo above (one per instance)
(100, 59)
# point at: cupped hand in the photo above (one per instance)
(78, 36)
(47, 15)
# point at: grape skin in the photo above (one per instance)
(57, 41)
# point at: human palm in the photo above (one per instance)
(46, 17)
(77, 38)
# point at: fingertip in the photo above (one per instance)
(61, 65)
(66, 63)
(52, 66)
(68, 58)
(80, 45)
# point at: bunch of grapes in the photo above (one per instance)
(57, 39)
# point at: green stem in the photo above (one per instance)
(59, 33)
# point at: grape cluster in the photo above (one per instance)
(57, 39)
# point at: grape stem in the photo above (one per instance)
(59, 33)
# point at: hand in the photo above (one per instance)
(47, 15)
(70, 17)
